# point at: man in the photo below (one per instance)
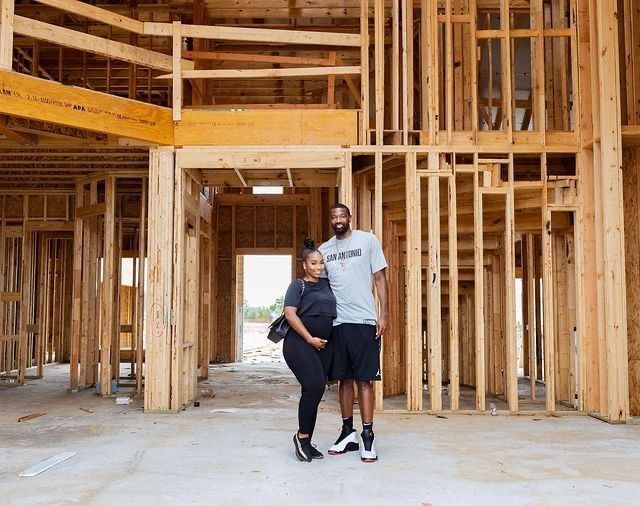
(352, 258)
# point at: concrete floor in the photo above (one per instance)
(236, 449)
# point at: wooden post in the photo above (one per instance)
(142, 254)
(77, 294)
(434, 312)
(414, 289)
(478, 260)
(615, 335)
(109, 287)
(178, 327)
(395, 66)
(454, 371)
(377, 227)
(531, 311)
(379, 68)
(26, 290)
(510, 293)
(6, 34)
(345, 190)
(364, 72)
(177, 71)
(548, 302)
(159, 312)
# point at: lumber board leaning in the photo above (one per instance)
(97, 14)
(91, 43)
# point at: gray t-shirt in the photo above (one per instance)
(350, 264)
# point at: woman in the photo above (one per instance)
(310, 308)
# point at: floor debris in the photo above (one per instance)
(30, 417)
(46, 464)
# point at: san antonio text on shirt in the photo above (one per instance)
(344, 255)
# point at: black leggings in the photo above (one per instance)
(310, 368)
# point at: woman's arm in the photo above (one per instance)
(291, 314)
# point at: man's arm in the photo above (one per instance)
(380, 279)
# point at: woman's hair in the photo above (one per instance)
(309, 248)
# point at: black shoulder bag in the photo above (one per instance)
(280, 326)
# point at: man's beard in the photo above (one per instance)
(340, 228)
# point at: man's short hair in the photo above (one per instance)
(341, 206)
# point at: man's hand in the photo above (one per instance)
(381, 325)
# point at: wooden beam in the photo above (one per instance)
(48, 101)
(265, 73)
(96, 45)
(240, 178)
(97, 14)
(271, 36)
(17, 137)
(255, 58)
(256, 127)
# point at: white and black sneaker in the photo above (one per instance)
(368, 450)
(302, 448)
(347, 442)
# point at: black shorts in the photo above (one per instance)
(356, 352)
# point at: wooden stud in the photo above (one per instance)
(109, 287)
(510, 293)
(478, 255)
(364, 72)
(531, 312)
(6, 34)
(414, 289)
(434, 319)
(454, 372)
(176, 76)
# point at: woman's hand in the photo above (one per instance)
(317, 343)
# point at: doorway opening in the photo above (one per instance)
(261, 285)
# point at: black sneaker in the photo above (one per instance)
(347, 442)
(368, 452)
(303, 448)
(315, 454)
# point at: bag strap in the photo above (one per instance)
(302, 290)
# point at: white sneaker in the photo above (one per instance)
(368, 449)
(346, 442)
